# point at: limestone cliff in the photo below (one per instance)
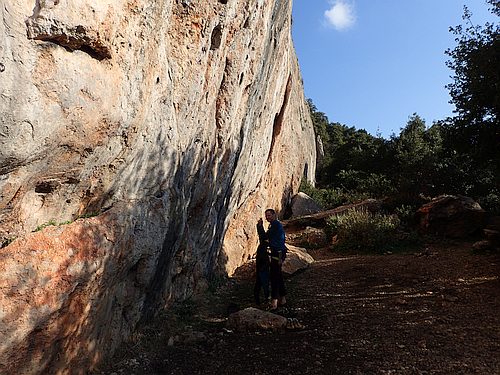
(153, 134)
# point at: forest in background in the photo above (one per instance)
(458, 155)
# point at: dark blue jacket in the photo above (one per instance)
(276, 236)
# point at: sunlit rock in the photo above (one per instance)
(140, 140)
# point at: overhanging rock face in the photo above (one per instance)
(153, 134)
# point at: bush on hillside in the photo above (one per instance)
(362, 230)
(371, 185)
(406, 215)
(491, 202)
(333, 197)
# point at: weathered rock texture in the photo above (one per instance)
(303, 204)
(451, 216)
(160, 130)
(297, 259)
(255, 319)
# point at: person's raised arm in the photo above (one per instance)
(260, 230)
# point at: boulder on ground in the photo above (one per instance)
(311, 238)
(255, 319)
(303, 204)
(297, 259)
(481, 246)
(451, 216)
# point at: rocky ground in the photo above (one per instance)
(433, 311)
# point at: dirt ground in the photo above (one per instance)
(434, 311)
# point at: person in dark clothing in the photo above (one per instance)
(262, 272)
(275, 234)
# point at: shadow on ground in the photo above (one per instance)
(432, 312)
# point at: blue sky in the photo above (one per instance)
(373, 63)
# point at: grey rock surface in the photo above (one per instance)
(255, 319)
(153, 134)
(303, 204)
(297, 259)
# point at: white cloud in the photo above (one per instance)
(341, 15)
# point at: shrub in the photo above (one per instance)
(55, 223)
(336, 197)
(491, 203)
(362, 230)
(406, 214)
(375, 185)
(45, 225)
(332, 197)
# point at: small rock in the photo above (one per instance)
(252, 318)
(293, 323)
(170, 341)
(482, 245)
(297, 259)
(401, 301)
(422, 344)
(451, 298)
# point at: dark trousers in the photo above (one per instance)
(277, 281)
(261, 282)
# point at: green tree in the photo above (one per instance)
(475, 89)
(472, 136)
(354, 162)
(417, 154)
